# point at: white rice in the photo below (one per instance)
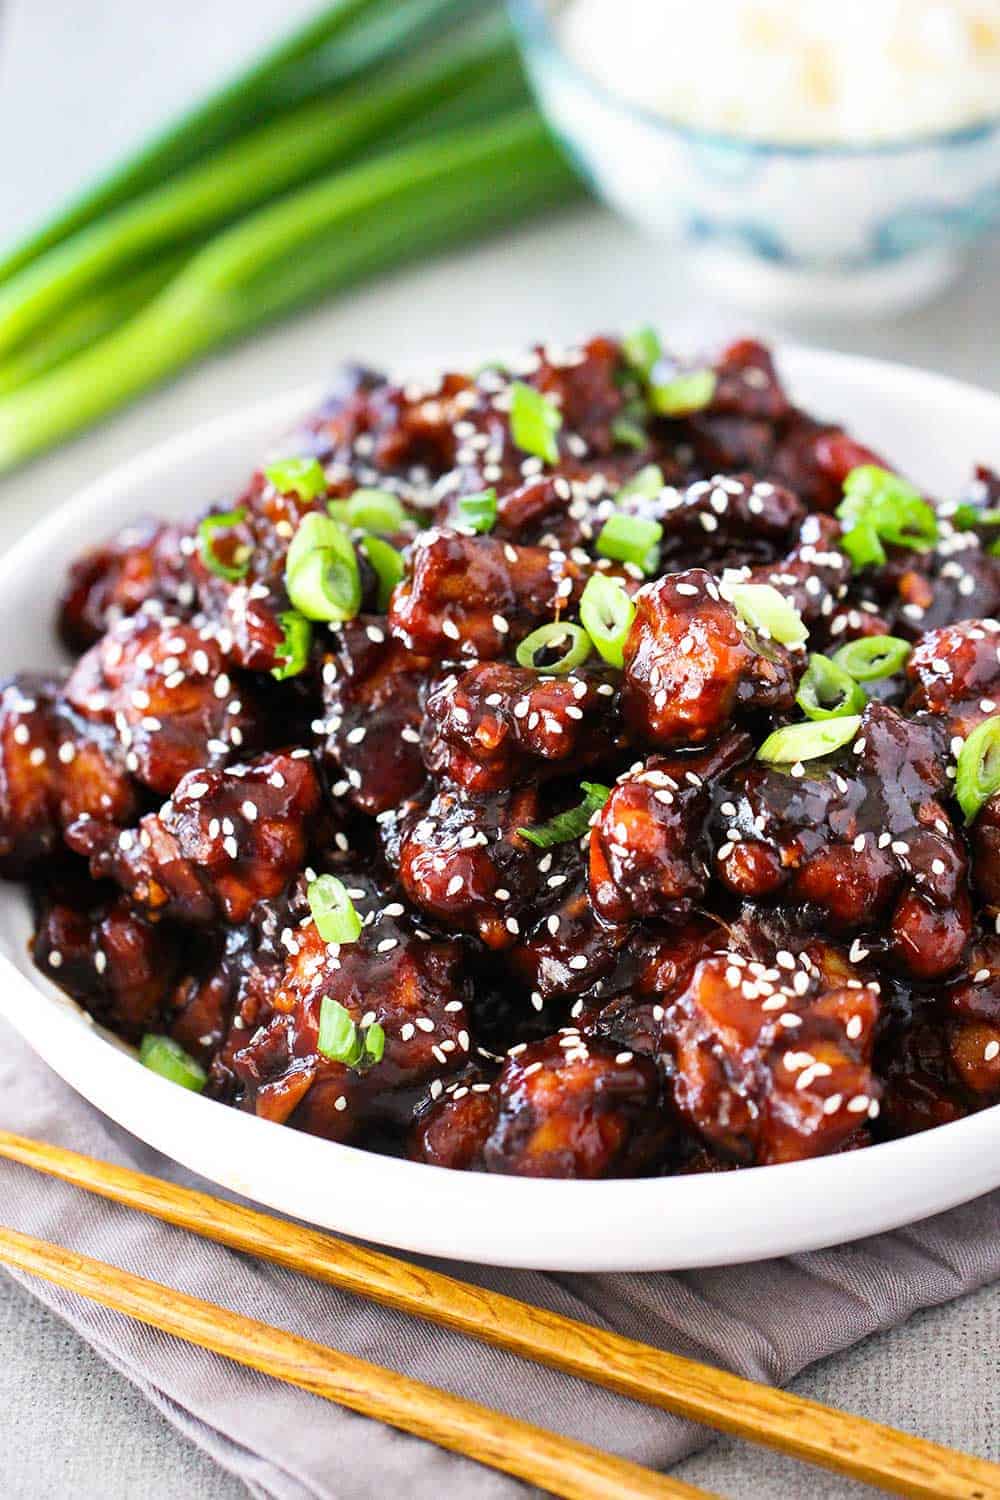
(846, 71)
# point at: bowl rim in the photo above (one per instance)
(535, 29)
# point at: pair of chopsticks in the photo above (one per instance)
(807, 1430)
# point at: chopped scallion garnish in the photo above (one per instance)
(240, 564)
(534, 422)
(768, 612)
(826, 691)
(303, 477)
(376, 511)
(293, 652)
(341, 1040)
(321, 570)
(571, 644)
(977, 774)
(684, 394)
(573, 823)
(628, 432)
(648, 483)
(631, 539)
(161, 1054)
(478, 511)
(872, 657)
(642, 349)
(333, 910)
(607, 613)
(808, 741)
(879, 506)
(387, 564)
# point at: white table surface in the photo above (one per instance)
(79, 81)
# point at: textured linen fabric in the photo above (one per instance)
(765, 1320)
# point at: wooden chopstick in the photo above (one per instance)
(807, 1430)
(557, 1464)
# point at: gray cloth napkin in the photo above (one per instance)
(766, 1320)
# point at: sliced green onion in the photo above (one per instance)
(341, 1040)
(607, 613)
(648, 483)
(628, 432)
(872, 657)
(303, 477)
(534, 422)
(377, 511)
(573, 823)
(333, 910)
(293, 652)
(764, 609)
(479, 511)
(808, 741)
(161, 1054)
(683, 395)
(642, 349)
(826, 691)
(548, 638)
(977, 775)
(321, 570)
(879, 506)
(631, 539)
(207, 528)
(387, 564)
(967, 517)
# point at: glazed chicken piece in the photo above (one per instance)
(163, 685)
(563, 1107)
(495, 724)
(110, 959)
(955, 675)
(225, 840)
(412, 986)
(566, 952)
(922, 591)
(691, 666)
(143, 562)
(463, 862)
(54, 767)
(713, 521)
(973, 1003)
(476, 596)
(649, 851)
(769, 1065)
(860, 838)
(370, 730)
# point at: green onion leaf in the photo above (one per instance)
(977, 775)
(321, 570)
(333, 910)
(879, 506)
(573, 823)
(341, 1040)
(387, 564)
(478, 511)
(607, 613)
(767, 611)
(826, 691)
(683, 395)
(293, 652)
(534, 422)
(303, 477)
(967, 517)
(808, 741)
(207, 528)
(642, 349)
(631, 539)
(628, 432)
(376, 511)
(648, 483)
(872, 657)
(547, 638)
(161, 1054)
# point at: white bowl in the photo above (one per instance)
(931, 427)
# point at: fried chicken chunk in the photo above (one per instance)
(563, 1107)
(690, 666)
(955, 675)
(141, 563)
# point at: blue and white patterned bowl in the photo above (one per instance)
(829, 229)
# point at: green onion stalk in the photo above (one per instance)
(346, 38)
(317, 240)
(461, 82)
